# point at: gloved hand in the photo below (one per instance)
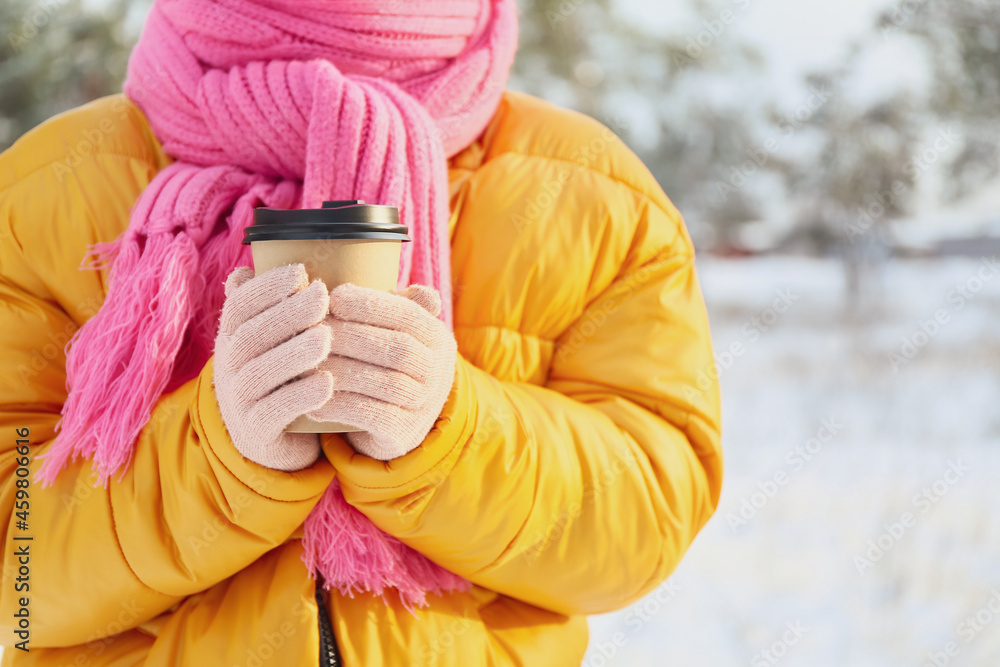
(270, 331)
(393, 366)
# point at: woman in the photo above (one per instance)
(540, 424)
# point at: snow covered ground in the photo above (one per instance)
(859, 522)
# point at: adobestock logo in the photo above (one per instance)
(924, 501)
(779, 649)
(750, 332)
(915, 168)
(796, 459)
(971, 627)
(926, 329)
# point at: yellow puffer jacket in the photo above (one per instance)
(575, 460)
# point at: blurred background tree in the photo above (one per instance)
(57, 54)
(857, 181)
(964, 36)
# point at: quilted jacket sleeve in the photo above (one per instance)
(581, 491)
(190, 511)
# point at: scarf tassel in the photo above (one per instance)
(355, 556)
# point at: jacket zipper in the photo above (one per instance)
(329, 654)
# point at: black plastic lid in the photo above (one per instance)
(351, 219)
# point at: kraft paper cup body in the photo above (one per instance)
(370, 263)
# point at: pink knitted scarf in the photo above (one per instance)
(279, 103)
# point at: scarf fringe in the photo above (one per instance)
(355, 556)
(147, 332)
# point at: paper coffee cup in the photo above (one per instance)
(343, 242)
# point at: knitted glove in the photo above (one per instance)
(270, 331)
(393, 365)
